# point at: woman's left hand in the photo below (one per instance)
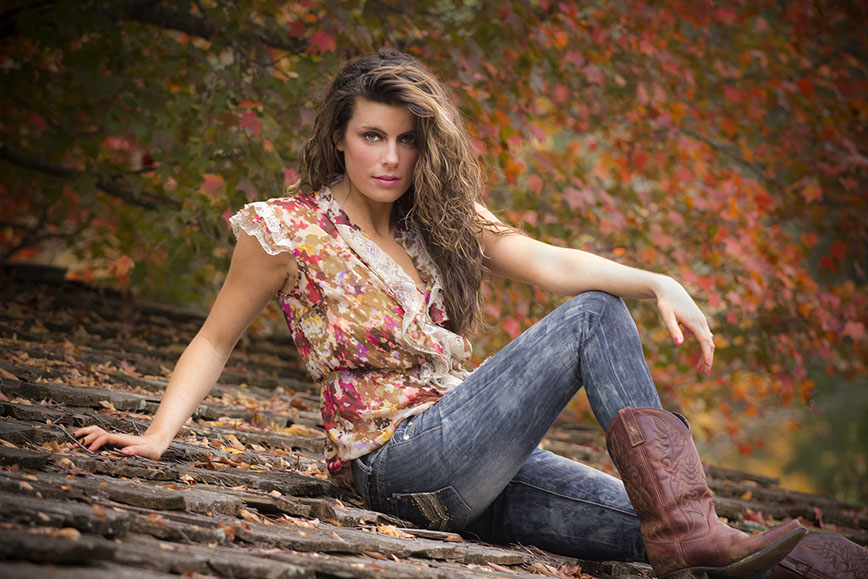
(676, 306)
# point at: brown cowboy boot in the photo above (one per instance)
(824, 556)
(660, 467)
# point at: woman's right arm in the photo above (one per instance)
(254, 277)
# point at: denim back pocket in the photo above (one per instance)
(442, 510)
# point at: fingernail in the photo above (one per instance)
(679, 339)
(125, 451)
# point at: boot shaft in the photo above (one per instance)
(664, 478)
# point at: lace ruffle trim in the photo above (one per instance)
(273, 240)
(443, 370)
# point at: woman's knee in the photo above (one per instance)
(608, 308)
(598, 300)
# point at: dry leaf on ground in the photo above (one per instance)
(393, 531)
(250, 516)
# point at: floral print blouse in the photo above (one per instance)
(378, 345)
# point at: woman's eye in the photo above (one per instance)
(408, 140)
(371, 137)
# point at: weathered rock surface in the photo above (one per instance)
(242, 491)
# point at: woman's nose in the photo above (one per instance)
(390, 154)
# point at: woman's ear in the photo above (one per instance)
(338, 140)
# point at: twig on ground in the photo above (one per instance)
(74, 439)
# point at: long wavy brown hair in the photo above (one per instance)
(447, 179)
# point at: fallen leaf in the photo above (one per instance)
(550, 569)
(567, 570)
(229, 530)
(64, 462)
(51, 446)
(255, 419)
(234, 442)
(250, 516)
(819, 514)
(8, 375)
(754, 516)
(128, 368)
(375, 555)
(299, 404)
(501, 568)
(99, 512)
(301, 522)
(301, 429)
(188, 479)
(67, 533)
(393, 531)
(205, 463)
(25, 486)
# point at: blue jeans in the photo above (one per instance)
(470, 463)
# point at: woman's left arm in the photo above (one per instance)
(567, 271)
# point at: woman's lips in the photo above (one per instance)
(387, 180)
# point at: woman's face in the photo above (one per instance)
(380, 151)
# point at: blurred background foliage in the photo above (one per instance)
(722, 143)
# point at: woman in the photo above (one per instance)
(377, 261)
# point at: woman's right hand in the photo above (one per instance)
(94, 437)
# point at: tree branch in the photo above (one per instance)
(145, 200)
(9, 18)
(151, 12)
(32, 240)
(36, 234)
(731, 152)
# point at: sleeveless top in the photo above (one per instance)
(379, 347)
